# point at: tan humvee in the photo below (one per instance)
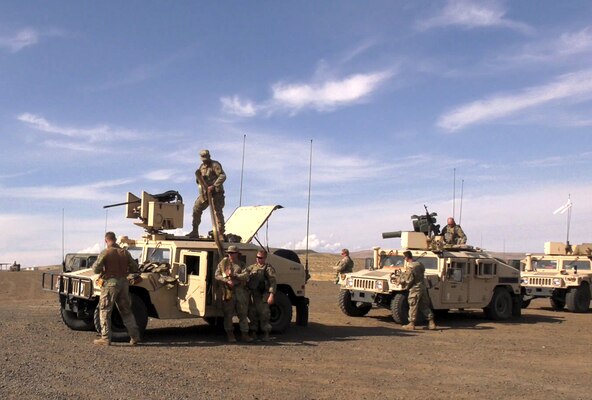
(457, 277)
(562, 273)
(177, 273)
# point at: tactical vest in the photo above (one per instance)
(116, 263)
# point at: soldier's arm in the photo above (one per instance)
(461, 235)
(340, 268)
(270, 274)
(99, 264)
(220, 173)
(241, 274)
(218, 275)
(132, 265)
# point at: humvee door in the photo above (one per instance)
(191, 291)
(455, 282)
(246, 221)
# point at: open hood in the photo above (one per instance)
(246, 221)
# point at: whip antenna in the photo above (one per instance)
(240, 197)
(308, 209)
(453, 191)
(63, 235)
(462, 185)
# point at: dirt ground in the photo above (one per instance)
(543, 354)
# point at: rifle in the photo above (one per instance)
(204, 187)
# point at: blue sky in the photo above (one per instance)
(97, 99)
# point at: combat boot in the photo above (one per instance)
(245, 337)
(432, 325)
(410, 326)
(134, 341)
(193, 234)
(231, 338)
(265, 337)
(253, 334)
(102, 342)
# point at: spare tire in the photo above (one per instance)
(288, 254)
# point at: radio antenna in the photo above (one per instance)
(240, 197)
(453, 191)
(462, 185)
(308, 209)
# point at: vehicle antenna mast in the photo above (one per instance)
(240, 198)
(308, 208)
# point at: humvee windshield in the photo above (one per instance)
(581, 265)
(136, 253)
(159, 255)
(391, 261)
(544, 264)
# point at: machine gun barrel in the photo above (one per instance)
(122, 204)
(390, 235)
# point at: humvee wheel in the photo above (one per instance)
(500, 306)
(118, 330)
(578, 299)
(400, 308)
(526, 303)
(281, 313)
(75, 323)
(557, 304)
(352, 308)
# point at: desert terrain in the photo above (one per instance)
(543, 354)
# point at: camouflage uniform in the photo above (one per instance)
(418, 298)
(235, 298)
(262, 282)
(454, 235)
(344, 266)
(114, 264)
(213, 175)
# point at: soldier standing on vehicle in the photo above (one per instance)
(345, 265)
(214, 177)
(113, 265)
(235, 295)
(418, 299)
(262, 285)
(453, 233)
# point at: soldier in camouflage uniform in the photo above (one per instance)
(418, 299)
(214, 177)
(345, 265)
(232, 278)
(453, 233)
(262, 285)
(114, 264)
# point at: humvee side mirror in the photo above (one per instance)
(369, 263)
(183, 274)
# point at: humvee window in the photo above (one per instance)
(136, 253)
(581, 265)
(192, 263)
(429, 263)
(158, 255)
(456, 271)
(544, 264)
(392, 261)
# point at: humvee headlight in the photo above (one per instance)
(379, 285)
(349, 282)
(557, 281)
(525, 281)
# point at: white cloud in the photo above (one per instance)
(574, 86)
(473, 14)
(315, 243)
(24, 38)
(92, 191)
(163, 175)
(322, 96)
(95, 248)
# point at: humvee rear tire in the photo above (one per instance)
(288, 254)
(352, 308)
(75, 323)
(400, 308)
(500, 306)
(281, 313)
(118, 330)
(557, 304)
(302, 313)
(578, 299)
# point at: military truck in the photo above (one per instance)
(562, 274)
(177, 272)
(456, 276)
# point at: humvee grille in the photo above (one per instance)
(366, 284)
(538, 281)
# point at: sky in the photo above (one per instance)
(477, 109)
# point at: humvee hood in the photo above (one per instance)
(246, 221)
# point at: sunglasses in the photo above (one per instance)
(259, 257)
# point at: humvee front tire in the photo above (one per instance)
(557, 304)
(578, 299)
(75, 323)
(500, 306)
(400, 308)
(118, 330)
(352, 308)
(281, 313)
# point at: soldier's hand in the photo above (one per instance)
(230, 283)
(210, 189)
(271, 299)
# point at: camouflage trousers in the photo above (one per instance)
(419, 301)
(239, 304)
(259, 314)
(201, 203)
(115, 291)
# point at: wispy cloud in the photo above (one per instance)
(92, 191)
(322, 96)
(169, 175)
(472, 14)
(554, 161)
(574, 86)
(16, 42)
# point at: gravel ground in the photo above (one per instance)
(543, 354)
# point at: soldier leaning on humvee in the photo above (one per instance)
(232, 279)
(345, 265)
(418, 299)
(114, 264)
(262, 286)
